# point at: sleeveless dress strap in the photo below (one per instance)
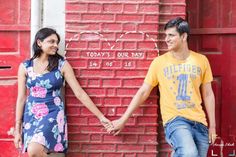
(61, 63)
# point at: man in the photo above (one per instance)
(182, 77)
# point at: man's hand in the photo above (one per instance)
(212, 135)
(118, 125)
(106, 123)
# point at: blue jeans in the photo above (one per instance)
(187, 138)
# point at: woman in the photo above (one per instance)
(40, 119)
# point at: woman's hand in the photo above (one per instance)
(18, 140)
(106, 123)
(118, 125)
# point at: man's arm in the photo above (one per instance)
(141, 95)
(209, 101)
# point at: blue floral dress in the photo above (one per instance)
(44, 119)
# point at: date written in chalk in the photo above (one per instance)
(119, 55)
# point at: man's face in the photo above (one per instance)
(173, 39)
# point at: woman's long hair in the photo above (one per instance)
(41, 35)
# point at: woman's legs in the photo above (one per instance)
(36, 150)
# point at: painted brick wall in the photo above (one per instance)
(168, 10)
(110, 45)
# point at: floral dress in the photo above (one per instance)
(44, 119)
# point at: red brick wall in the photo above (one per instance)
(110, 45)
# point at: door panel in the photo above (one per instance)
(14, 48)
(213, 33)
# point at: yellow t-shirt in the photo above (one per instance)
(179, 83)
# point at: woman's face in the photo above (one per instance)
(49, 45)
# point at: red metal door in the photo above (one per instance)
(14, 47)
(213, 33)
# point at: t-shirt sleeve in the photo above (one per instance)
(151, 77)
(207, 74)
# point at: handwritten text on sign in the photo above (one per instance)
(119, 55)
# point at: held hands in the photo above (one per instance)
(118, 125)
(113, 127)
(106, 123)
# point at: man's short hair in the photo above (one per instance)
(180, 24)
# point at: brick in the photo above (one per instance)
(73, 110)
(121, 110)
(73, 128)
(150, 129)
(98, 147)
(111, 45)
(78, 63)
(111, 111)
(133, 129)
(111, 82)
(89, 37)
(80, 7)
(112, 139)
(112, 155)
(151, 148)
(93, 121)
(148, 27)
(129, 45)
(143, 64)
(126, 101)
(149, 8)
(112, 101)
(151, 18)
(110, 92)
(77, 120)
(147, 155)
(96, 138)
(79, 137)
(94, 155)
(98, 17)
(129, 27)
(111, 27)
(94, 8)
(128, 139)
(131, 74)
(146, 45)
(95, 91)
(129, 148)
(150, 111)
(95, 73)
(174, 1)
(76, 44)
(148, 139)
(129, 36)
(147, 120)
(126, 91)
(74, 146)
(178, 9)
(151, 37)
(94, 83)
(72, 17)
(93, 45)
(129, 18)
(92, 129)
(130, 8)
(132, 82)
(112, 8)
(130, 155)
